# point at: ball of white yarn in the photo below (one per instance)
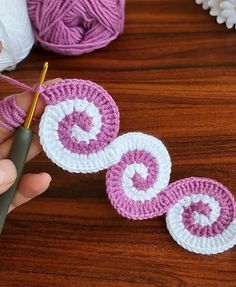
(16, 36)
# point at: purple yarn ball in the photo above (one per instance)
(75, 27)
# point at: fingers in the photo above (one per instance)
(7, 174)
(31, 185)
(35, 148)
(24, 101)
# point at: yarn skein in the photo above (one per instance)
(16, 35)
(75, 27)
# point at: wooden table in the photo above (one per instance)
(172, 74)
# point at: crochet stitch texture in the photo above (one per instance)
(202, 215)
(78, 124)
(75, 27)
(78, 131)
(12, 116)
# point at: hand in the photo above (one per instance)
(30, 185)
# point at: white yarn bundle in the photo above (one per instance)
(16, 36)
(223, 10)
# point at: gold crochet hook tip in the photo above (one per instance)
(32, 109)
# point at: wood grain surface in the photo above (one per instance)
(173, 75)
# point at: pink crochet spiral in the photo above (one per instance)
(75, 27)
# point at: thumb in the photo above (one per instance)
(7, 174)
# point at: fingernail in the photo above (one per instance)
(47, 174)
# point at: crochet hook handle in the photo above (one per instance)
(18, 154)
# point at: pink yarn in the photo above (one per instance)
(162, 202)
(72, 89)
(75, 27)
(12, 116)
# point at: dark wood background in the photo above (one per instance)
(173, 75)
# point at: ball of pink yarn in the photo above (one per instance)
(75, 27)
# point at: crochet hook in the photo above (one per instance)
(19, 151)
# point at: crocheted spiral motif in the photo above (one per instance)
(78, 132)
(78, 124)
(202, 220)
(133, 184)
(200, 212)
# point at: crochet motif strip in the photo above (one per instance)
(78, 132)
(200, 212)
(202, 215)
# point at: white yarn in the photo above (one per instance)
(199, 244)
(60, 155)
(223, 10)
(16, 34)
(102, 159)
(229, 12)
(215, 10)
(204, 3)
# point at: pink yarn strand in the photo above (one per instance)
(12, 116)
(17, 84)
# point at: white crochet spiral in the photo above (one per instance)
(16, 34)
